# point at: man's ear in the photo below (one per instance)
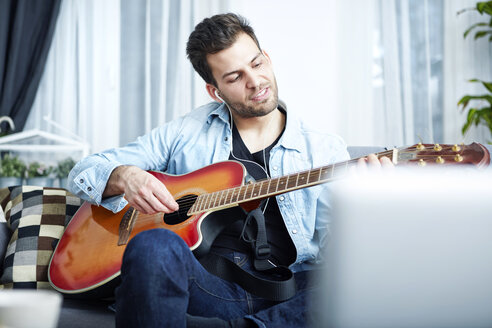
(213, 92)
(267, 56)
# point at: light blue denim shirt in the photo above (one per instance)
(202, 137)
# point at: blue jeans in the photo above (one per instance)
(161, 281)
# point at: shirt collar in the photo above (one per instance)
(221, 111)
(291, 138)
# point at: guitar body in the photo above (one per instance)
(90, 252)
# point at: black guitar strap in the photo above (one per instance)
(275, 283)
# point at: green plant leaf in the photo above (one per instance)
(481, 34)
(483, 115)
(12, 166)
(64, 167)
(36, 169)
(464, 101)
(487, 85)
(484, 7)
(487, 98)
(470, 118)
(486, 115)
(478, 116)
(488, 9)
(472, 27)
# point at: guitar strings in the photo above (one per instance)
(187, 203)
(265, 170)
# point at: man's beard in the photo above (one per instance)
(258, 110)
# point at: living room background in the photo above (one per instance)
(378, 72)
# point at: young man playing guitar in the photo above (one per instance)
(162, 283)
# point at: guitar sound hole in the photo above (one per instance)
(180, 216)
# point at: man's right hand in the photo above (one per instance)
(142, 190)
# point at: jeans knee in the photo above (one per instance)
(154, 244)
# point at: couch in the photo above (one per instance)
(58, 206)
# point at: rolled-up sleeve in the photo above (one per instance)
(89, 177)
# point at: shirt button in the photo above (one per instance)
(294, 231)
(275, 168)
(281, 198)
(226, 138)
(89, 189)
(81, 180)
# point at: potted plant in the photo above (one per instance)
(38, 174)
(12, 171)
(481, 113)
(63, 169)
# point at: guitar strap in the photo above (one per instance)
(275, 283)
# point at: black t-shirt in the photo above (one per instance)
(282, 248)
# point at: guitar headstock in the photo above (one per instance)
(436, 154)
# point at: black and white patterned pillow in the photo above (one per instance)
(37, 217)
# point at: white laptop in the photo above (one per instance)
(411, 249)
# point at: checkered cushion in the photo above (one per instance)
(37, 217)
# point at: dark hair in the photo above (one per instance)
(212, 35)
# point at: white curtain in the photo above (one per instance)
(79, 91)
(377, 72)
(464, 59)
(118, 68)
(368, 70)
(411, 56)
(158, 83)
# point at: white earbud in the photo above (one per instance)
(217, 95)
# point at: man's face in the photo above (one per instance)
(245, 78)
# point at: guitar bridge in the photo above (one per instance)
(126, 226)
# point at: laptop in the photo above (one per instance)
(411, 248)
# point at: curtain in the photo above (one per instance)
(390, 72)
(464, 59)
(368, 70)
(420, 67)
(157, 81)
(26, 31)
(376, 72)
(117, 69)
(411, 58)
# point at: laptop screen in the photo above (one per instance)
(411, 248)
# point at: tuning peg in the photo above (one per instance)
(422, 162)
(439, 160)
(458, 158)
(456, 148)
(437, 147)
(420, 146)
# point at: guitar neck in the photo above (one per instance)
(271, 187)
(419, 155)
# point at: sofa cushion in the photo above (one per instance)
(4, 240)
(37, 217)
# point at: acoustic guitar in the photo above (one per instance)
(89, 254)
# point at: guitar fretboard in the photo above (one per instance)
(266, 188)
(420, 155)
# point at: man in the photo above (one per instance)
(163, 285)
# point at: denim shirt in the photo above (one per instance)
(202, 137)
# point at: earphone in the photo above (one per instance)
(232, 149)
(217, 95)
